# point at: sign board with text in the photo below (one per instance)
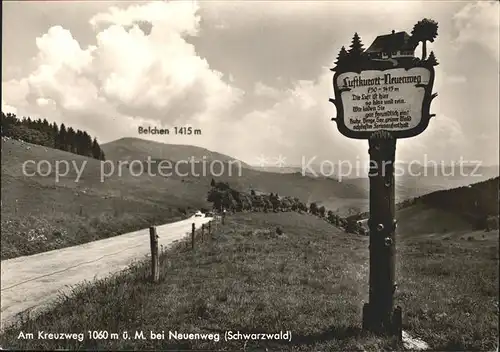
(377, 92)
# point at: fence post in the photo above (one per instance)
(192, 235)
(155, 259)
(202, 231)
(223, 217)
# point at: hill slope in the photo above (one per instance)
(474, 203)
(462, 209)
(140, 149)
(244, 178)
(40, 213)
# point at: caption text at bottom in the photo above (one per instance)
(152, 335)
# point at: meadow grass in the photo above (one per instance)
(310, 280)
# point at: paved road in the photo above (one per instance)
(34, 281)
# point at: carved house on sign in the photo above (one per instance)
(395, 45)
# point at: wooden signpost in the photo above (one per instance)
(381, 94)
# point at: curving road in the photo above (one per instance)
(32, 282)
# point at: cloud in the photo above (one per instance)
(44, 102)
(297, 125)
(143, 70)
(261, 89)
(128, 75)
(221, 26)
(8, 109)
(479, 22)
(443, 140)
(177, 17)
(456, 79)
(15, 92)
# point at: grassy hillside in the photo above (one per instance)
(474, 207)
(310, 280)
(40, 214)
(424, 220)
(475, 202)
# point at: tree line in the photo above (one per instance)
(223, 197)
(51, 135)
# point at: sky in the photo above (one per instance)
(253, 76)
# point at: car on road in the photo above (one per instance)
(199, 214)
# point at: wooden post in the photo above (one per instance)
(223, 217)
(209, 228)
(155, 258)
(378, 314)
(192, 235)
(202, 231)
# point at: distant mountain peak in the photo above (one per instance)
(133, 148)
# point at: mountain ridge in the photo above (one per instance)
(133, 148)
